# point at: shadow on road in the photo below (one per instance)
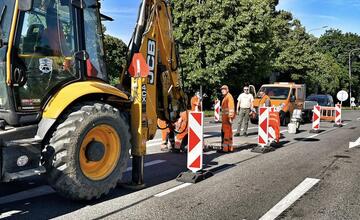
(53, 205)
(307, 139)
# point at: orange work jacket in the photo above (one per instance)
(228, 106)
(195, 102)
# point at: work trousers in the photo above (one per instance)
(226, 134)
(244, 119)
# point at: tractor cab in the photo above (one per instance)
(46, 45)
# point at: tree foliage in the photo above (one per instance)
(338, 45)
(246, 41)
(115, 56)
(223, 41)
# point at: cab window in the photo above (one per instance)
(6, 9)
(300, 93)
(93, 41)
(43, 52)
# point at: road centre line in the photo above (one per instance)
(9, 214)
(291, 198)
(283, 131)
(173, 189)
(312, 136)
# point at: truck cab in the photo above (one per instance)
(285, 97)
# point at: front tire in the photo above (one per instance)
(90, 151)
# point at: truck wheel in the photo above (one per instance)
(90, 151)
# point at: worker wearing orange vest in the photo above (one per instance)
(265, 99)
(196, 102)
(181, 127)
(228, 114)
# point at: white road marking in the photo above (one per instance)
(173, 189)
(312, 136)
(214, 126)
(283, 131)
(28, 194)
(151, 163)
(354, 144)
(153, 144)
(155, 140)
(9, 214)
(286, 202)
(358, 119)
(252, 128)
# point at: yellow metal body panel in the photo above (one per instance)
(67, 95)
(158, 48)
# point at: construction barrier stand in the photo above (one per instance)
(195, 141)
(263, 134)
(338, 121)
(217, 111)
(316, 119)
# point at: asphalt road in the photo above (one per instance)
(309, 176)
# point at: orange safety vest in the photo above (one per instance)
(164, 130)
(263, 101)
(274, 122)
(195, 102)
(181, 126)
(228, 106)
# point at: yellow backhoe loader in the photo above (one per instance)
(58, 114)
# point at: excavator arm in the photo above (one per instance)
(160, 95)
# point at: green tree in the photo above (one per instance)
(338, 45)
(327, 76)
(296, 53)
(224, 41)
(115, 57)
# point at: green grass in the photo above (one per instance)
(209, 113)
(348, 108)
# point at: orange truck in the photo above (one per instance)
(285, 97)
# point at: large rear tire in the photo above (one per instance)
(90, 151)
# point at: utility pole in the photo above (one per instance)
(350, 76)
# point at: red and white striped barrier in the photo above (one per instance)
(271, 131)
(217, 110)
(195, 140)
(338, 121)
(263, 134)
(316, 118)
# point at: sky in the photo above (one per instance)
(314, 14)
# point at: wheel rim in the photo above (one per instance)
(110, 139)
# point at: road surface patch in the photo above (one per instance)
(151, 163)
(46, 190)
(27, 194)
(290, 199)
